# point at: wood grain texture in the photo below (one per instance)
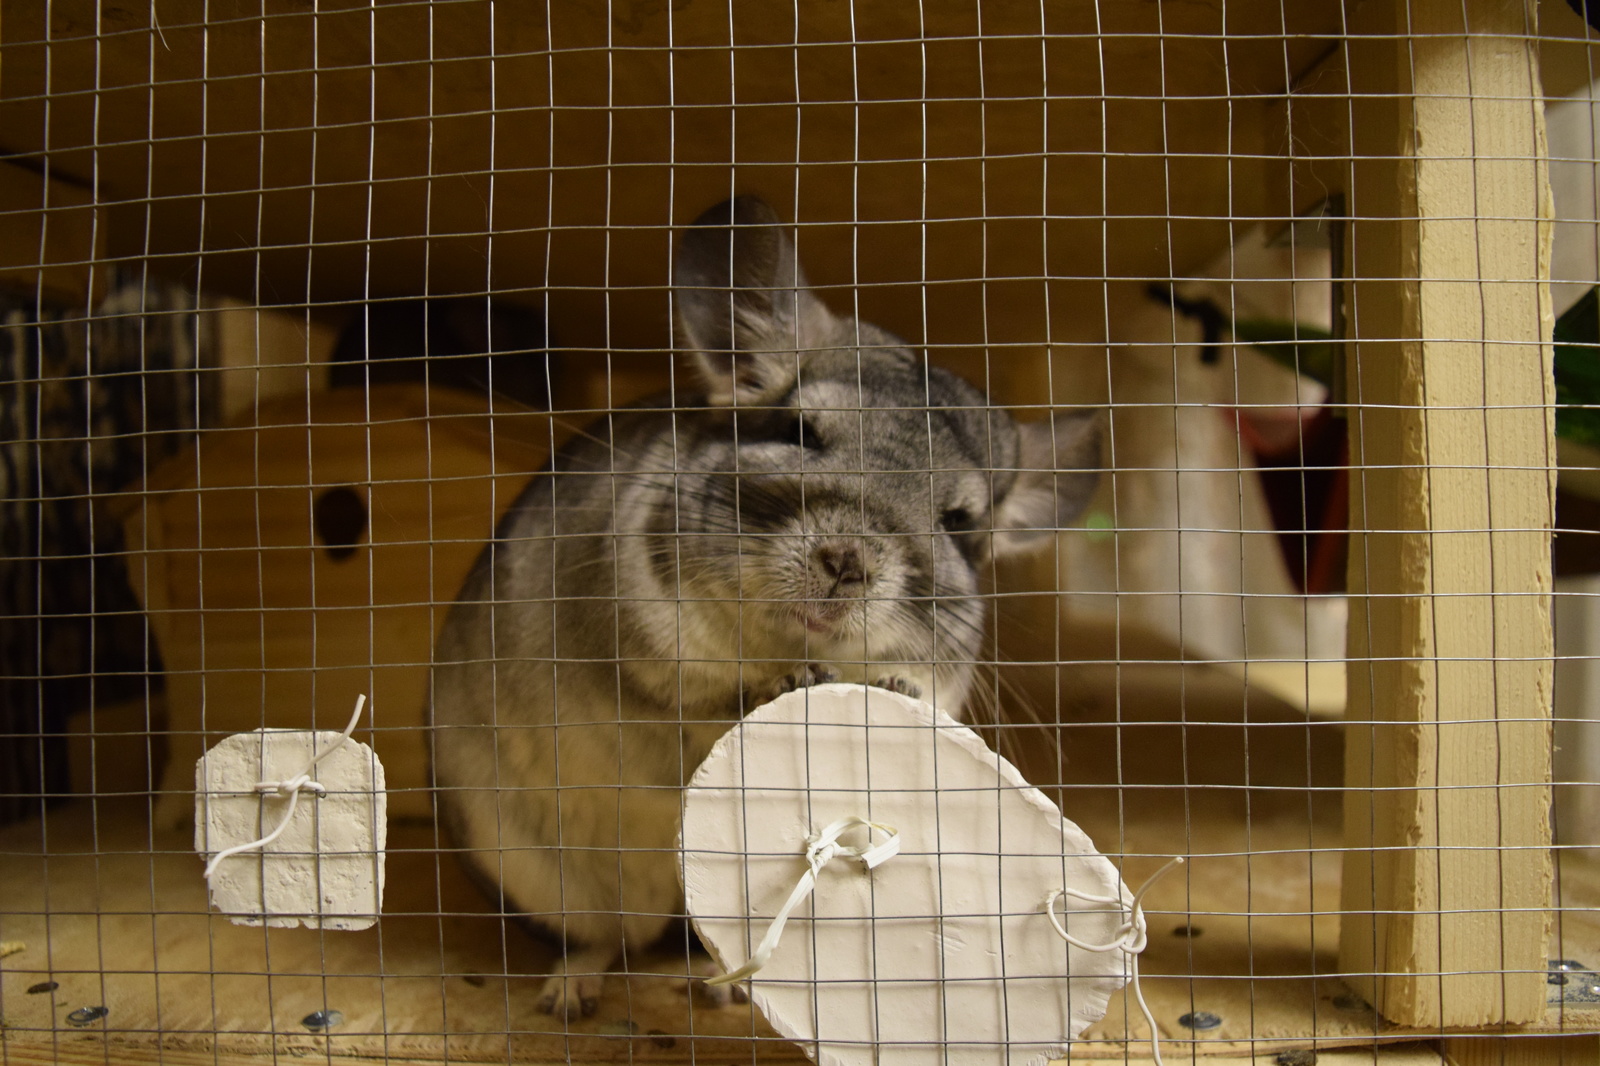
(91, 1052)
(50, 237)
(259, 624)
(1573, 1050)
(547, 149)
(115, 912)
(1446, 883)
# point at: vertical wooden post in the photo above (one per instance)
(1447, 877)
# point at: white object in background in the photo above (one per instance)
(1572, 126)
(295, 824)
(1195, 561)
(944, 953)
(1577, 711)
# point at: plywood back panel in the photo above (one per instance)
(353, 151)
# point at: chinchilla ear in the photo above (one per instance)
(745, 312)
(1058, 469)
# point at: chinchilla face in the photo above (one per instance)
(849, 492)
(856, 507)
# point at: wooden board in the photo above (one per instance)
(260, 624)
(315, 155)
(1163, 759)
(1569, 1051)
(51, 239)
(1521, 1051)
(116, 915)
(1447, 880)
(88, 1051)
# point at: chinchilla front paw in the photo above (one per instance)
(804, 676)
(900, 685)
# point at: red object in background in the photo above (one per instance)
(1303, 456)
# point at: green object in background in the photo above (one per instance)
(1577, 337)
(1304, 349)
(1100, 525)
(1311, 351)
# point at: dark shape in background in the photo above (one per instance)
(1589, 14)
(1577, 342)
(474, 343)
(72, 634)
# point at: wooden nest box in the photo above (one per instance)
(290, 565)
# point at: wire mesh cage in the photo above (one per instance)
(1182, 396)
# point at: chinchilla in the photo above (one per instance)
(822, 511)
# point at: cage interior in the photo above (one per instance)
(301, 299)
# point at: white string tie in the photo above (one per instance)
(1131, 936)
(290, 788)
(821, 849)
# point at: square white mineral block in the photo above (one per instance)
(326, 869)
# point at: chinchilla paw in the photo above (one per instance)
(900, 685)
(803, 677)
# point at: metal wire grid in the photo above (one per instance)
(594, 362)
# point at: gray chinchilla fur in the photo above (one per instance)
(823, 511)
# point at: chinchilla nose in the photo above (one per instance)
(844, 563)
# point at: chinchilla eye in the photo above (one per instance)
(958, 520)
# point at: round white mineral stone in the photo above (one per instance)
(941, 954)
